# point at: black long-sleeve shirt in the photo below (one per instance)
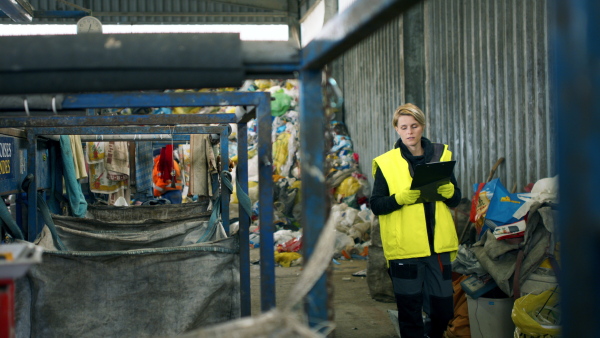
(382, 203)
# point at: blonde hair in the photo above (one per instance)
(409, 109)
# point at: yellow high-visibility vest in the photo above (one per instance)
(404, 231)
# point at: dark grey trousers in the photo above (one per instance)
(416, 279)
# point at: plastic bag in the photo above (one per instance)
(483, 200)
(286, 259)
(280, 152)
(293, 245)
(503, 205)
(121, 202)
(474, 201)
(348, 187)
(530, 320)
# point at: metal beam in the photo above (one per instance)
(116, 130)
(349, 28)
(32, 220)
(265, 212)
(314, 190)
(274, 5)
(17, 10)
(120, 120)
(574, 31)
(150, 100)
(270, 59)
(244, 220)
(225, 193)
(143, 100)
(119, 62)
(192, 14)
(270, 52)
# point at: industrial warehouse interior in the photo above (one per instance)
(309, 168)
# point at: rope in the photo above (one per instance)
(54, 105)
(26, 106)
(216, 212)
(243, 199)
(45, 212)
(8, 222)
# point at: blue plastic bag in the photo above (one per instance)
(503, 205)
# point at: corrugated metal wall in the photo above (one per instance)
(371, 77)
(487, 88)
(182, 12)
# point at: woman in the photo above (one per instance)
(418, 238)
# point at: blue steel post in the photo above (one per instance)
(244, 219)
(265, 209)
(575, 74)
(314, 196)
(32, 228)
(225, 194)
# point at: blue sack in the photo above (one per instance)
(503, 205)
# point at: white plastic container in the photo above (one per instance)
(490, 317)
(538, 282)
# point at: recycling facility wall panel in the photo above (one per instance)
(487, 89)
(370, 75)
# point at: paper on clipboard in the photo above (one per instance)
(428, 177)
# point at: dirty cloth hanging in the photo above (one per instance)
(143, 166)
(100, 180)
(117, 161)
(76, 198)
(78, 157)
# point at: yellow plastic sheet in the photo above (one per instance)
(537, 315)
(280, 152)
(285, 259)
(348, 187)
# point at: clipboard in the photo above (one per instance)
(428, 177)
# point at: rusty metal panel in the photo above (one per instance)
(486, 88)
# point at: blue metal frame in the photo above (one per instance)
(339, 34)
(265, 196)
(575, 76)
(244, 217)
(95, 125)
(314, 193)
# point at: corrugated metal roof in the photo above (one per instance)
(168, 11)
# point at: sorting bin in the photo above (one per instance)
(490, 317)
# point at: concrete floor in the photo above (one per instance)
(356, 314)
